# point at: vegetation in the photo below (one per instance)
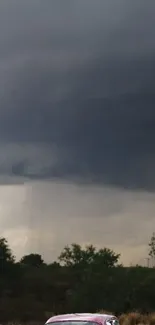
(152, 246)
(133, 318)
(83, 280)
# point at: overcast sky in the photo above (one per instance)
(77, 125)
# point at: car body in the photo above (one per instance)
(83, 319)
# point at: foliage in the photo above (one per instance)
(32, 260)
(83, 280)
(75, 255)
(6, 255)
(152, 246)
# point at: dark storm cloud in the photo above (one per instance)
(80, 78)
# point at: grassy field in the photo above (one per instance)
(133, 318)
(137, 318)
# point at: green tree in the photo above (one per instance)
(9, 270)
(6, 256)
(152, 247)
(32, 260)
(74, 255)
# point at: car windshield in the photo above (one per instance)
(72, 323)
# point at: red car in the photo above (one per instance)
(83, 319)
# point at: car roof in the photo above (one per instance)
(99, 318)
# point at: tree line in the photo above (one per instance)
(81, 280)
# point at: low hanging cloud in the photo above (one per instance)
(77, 86)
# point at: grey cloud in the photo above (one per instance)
(80, 78)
